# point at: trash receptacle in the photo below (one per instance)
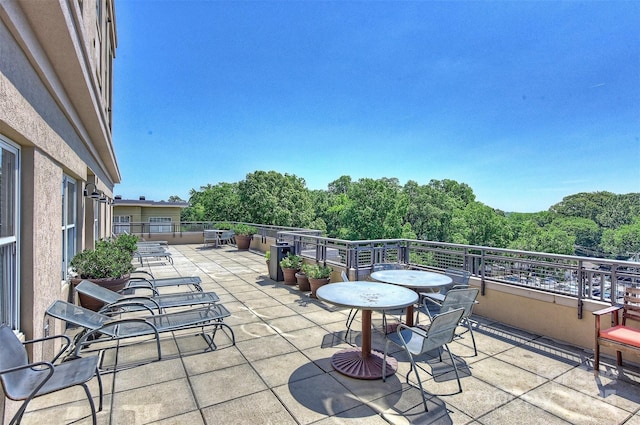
(278, 252)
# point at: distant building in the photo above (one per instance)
(58, 164)
(144, 216)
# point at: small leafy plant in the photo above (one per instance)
(318, 271)
(111, 258)
(291, 262)
(244, 229)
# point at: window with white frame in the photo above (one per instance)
(69, 219)
(160, 224)
(121, 224)
(9, 237)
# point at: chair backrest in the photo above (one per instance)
(442, 329)
(388, 266)
(12, 354)
(459, 278)
(98, 292)
(344, 276)
(226, 235)
(631, 305)
(77, 315)
(463, 298)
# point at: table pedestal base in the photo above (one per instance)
(350, 362)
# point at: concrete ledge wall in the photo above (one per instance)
(555, 316)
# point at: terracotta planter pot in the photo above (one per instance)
(316, 283)
(289, 276)
(303, 282)
(109, 283)
(243, 242)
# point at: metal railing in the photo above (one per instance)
(580, 277)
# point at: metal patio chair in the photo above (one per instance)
(464, 298)
(416, 341)
(145, 279)
(114, 301)
(23, 380)
(459, 280)
(100, 327)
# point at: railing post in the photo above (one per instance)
(581, 287)
(482, 270)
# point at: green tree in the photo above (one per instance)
(373, 209)
(276, 199)
(478, 224)
(623, 241)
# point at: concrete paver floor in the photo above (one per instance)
(279, 370)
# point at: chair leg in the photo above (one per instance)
(91, 403)
(455, 367)
(596, 359)
(18, 416)
(473, 338)
(415, 371)
(384, 362)
(100, 388)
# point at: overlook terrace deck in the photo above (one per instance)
(279, 371)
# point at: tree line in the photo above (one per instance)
(600, 224)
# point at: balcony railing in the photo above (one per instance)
(580, 277)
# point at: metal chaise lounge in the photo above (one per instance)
(99, 327)
(152, 252)
(114, 301)
(144, 279)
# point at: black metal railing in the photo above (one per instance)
(580, 277)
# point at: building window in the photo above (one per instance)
(155, 227)
(121, 224)
(69, 219)
(9, 216)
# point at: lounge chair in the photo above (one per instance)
(100, 327)
(152, 252)
(145, 279)
(24, 380)
(157, 304)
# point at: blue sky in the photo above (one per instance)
(526, 102)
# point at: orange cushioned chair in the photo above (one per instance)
(620, 335)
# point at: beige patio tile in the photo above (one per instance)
(265, 346)
(191, 418)
(314, 398)
(148, 374)
(153, 402)
(519, 412)
(532, 360)
(226, 384)
(76, 412)
(506, 376)
(265, 409)
(213, 360)
(562, 401)
(282, 369)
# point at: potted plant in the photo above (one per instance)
(303, 279)
(318, 275)
(290, 266)
(243, 235)
(267, 258)
(108, 264)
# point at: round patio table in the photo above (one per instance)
(363, 362)
(415, 279)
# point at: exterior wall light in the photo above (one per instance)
(95, 194)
